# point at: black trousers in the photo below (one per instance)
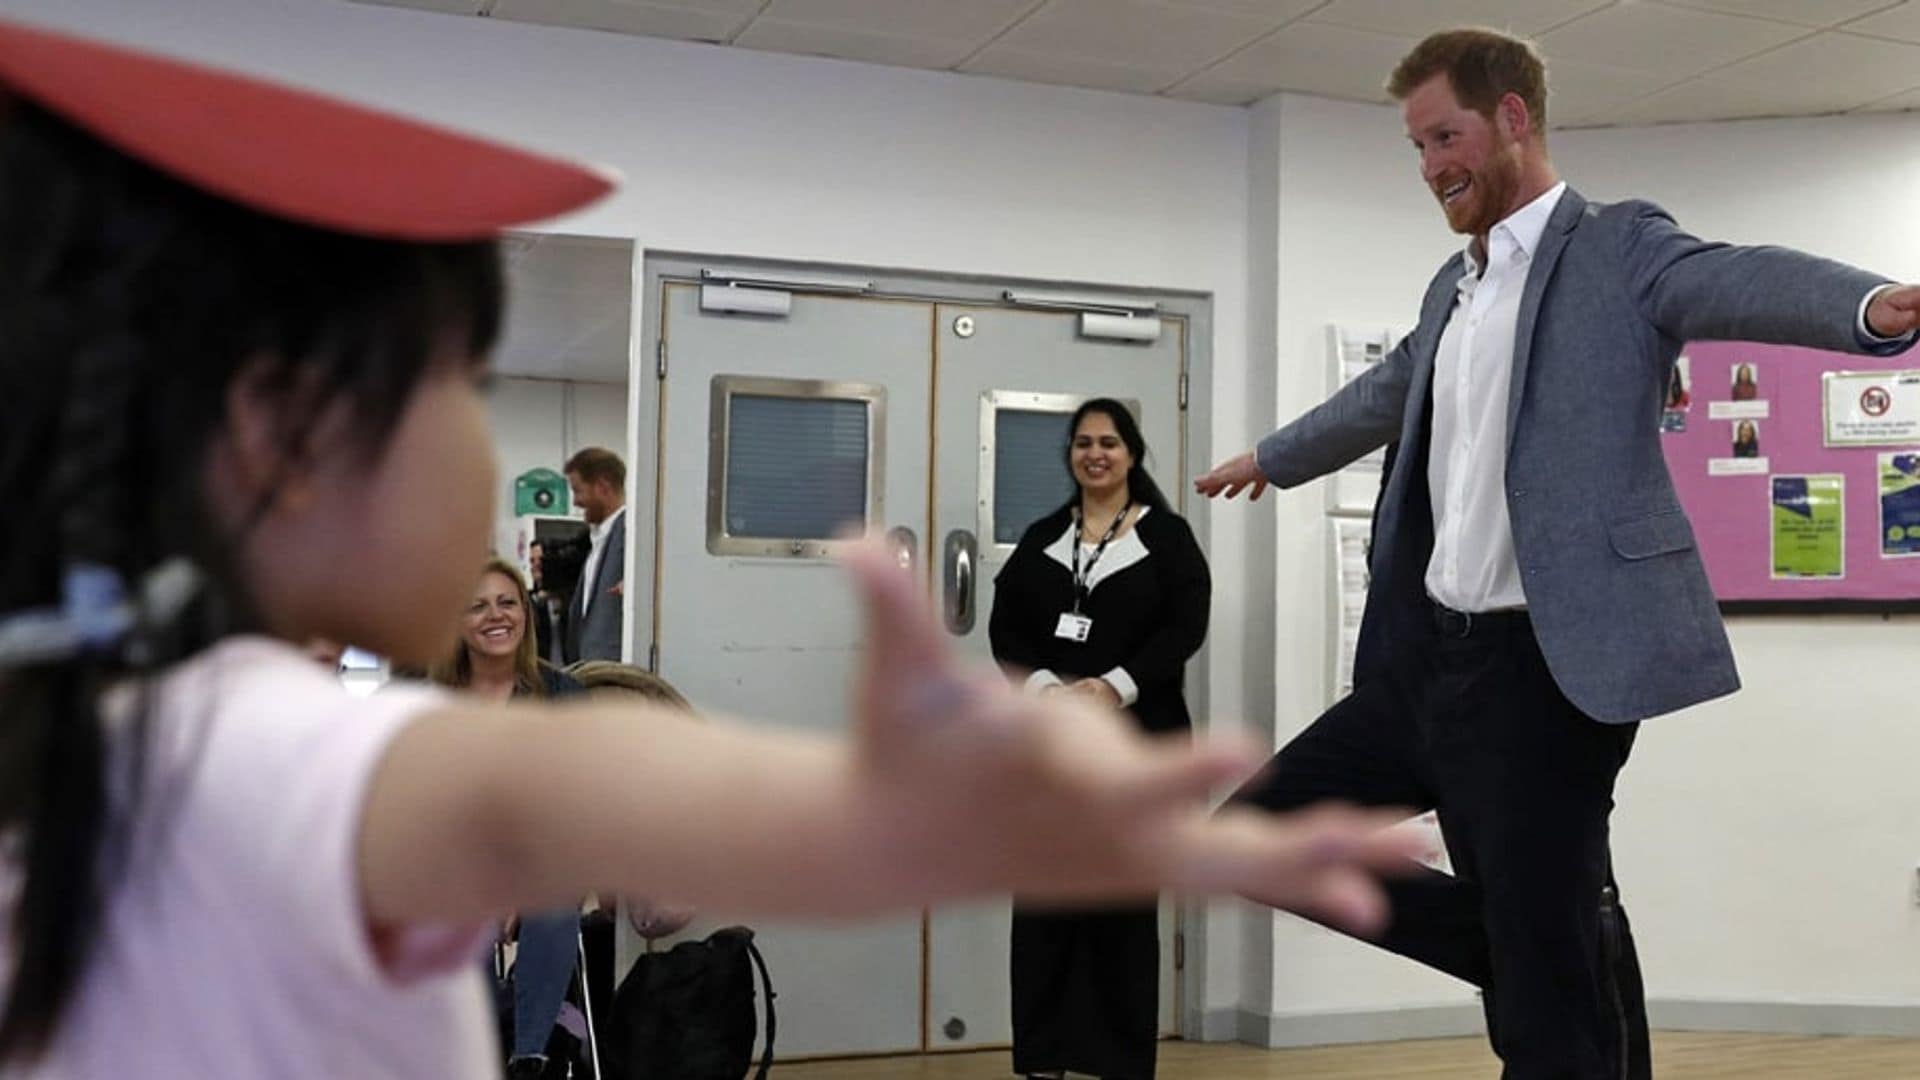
(1471, 723)
(1086, 991)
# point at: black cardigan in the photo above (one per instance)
(1148, 618)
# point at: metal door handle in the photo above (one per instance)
(958, 581)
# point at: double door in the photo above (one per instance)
(782, 418)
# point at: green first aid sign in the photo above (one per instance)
(539, 491)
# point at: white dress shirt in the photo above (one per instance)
(1473, 567)
(597, 535)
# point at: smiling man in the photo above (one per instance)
(593, 624)
(1520, 623)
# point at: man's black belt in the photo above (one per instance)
(1466, 624)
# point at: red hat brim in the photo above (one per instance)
(287, 152)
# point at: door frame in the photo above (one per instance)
(654, 269)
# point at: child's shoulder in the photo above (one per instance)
(269, 682)
(251, 714)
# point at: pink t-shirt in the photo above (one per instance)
(235, 945)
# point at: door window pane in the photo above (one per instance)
(792, 464)
(796, 467)
(1030, 477)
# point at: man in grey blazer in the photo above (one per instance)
(1535, 589)
(592, 625)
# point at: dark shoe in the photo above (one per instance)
(527, 1068)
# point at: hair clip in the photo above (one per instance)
(94, 615)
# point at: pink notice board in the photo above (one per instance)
(1733, 513)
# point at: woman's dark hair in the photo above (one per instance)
(1139, 485)
(130, 304)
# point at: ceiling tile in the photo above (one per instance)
(451, 7)
(1577, 93)
(1331, 61)
(715, 22)
(1701, 100)
(1832, 71)
(568, 305)
(1610, 61)
(1219, 91)
(975, 20)
(1274, 11)
(1066, 70)
(1419, 20)
(779, 35)
(711, 7)
(1803, 12)
(1675, 42)
(1145, 33)
(1898, 103)
(1900, 23)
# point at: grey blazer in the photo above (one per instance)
(1618, 597)
(599, 635)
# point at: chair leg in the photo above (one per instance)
(586, 1000)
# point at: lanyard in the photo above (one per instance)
(1081, 575)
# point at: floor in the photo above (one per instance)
(1677, 1056)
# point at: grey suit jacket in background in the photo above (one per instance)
(599, 635)
(1619, 599)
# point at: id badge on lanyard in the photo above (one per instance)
(1074, 626)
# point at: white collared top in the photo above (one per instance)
(1473, 567)
(597, 535)
(1122, 552)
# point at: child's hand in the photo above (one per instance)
(969, 787)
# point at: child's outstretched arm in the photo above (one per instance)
(953, 785)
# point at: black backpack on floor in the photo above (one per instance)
(687, 1013)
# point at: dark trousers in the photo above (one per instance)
(1470, 722)
(542, 969)
(1086, 991)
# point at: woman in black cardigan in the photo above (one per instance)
(1106, 597)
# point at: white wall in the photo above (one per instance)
(1766, 843)
(1254, 925)
(1357, 241)
(741, 152)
